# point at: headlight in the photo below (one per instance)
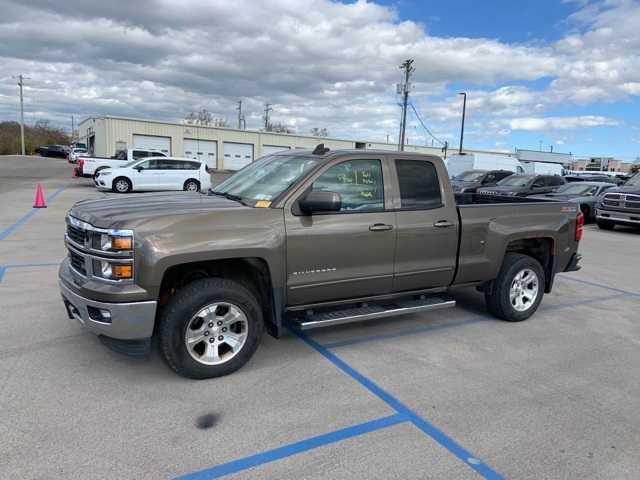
(111, 270)
(113, 240)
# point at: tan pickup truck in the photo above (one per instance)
(308, 239)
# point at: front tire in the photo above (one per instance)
(518, 289)
(191, 185)
(210, 328)
(121, 185)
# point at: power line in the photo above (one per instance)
(425, 127)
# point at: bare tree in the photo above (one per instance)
(319, 132)
(205, 118)
(279, 127)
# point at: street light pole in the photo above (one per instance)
(464, 111)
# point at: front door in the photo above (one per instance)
(345, 254)
(148, 177)
(427, 225)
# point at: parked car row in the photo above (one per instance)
(620, 205)
(586, 190)
(138, 170)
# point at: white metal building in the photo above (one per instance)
(222, 148)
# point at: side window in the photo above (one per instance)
(167, 164)
(359, 183)
(139, 154)
(154, 165)
(490, 178)
(557, 180)
(144, 165)
(501, 175)
(419, 185)
(191, 165)
(539, 182)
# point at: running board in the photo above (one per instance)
(369, 311)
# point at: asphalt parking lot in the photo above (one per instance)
(451, 394)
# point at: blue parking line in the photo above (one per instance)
(295, 448)
(427, 428)
(4, 268)
(10, 229)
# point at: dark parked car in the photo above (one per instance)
(470, 180)
(525, 185)
(53, 151)
(584, 193)
(591, 178)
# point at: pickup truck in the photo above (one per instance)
(620, 206)
(305, 239)
(89, 166)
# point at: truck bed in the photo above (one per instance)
(463, 199)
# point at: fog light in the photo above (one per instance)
(122, 271)
(99, 314)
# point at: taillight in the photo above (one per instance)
(579, 226)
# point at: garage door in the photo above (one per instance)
(151, 142)
(203, 150)
(237, 155)
(269, 149)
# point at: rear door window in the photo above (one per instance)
(419, 185)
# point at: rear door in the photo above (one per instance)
(343, 254)
(427, 225)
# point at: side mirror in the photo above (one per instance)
(139, 169)
(320, 202)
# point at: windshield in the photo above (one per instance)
(469, 176)
(633, 181)
(267, 178)
(515, 181)
(578, 189)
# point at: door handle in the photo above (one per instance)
(443, 224)
(380, 227)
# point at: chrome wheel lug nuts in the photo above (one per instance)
(219, 322)
(211, 340)
(210, 324)
(206, 333)
(220, 338)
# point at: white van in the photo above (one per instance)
(542, 168)
(456, 164)
(155, 174)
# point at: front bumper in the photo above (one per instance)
(618, 217)
(128, 321)
(102, 184)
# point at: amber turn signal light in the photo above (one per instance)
(121, 243)
(122, 272)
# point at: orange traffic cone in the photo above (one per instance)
(39, 203)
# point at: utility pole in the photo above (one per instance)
(73, 129)
(240, 116)
(464, 111)
(404, 88)
(267, 109)
(21, 79)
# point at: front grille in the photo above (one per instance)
(621, 201)
(76, 234)
(77, 262)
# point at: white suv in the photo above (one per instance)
(155, 174)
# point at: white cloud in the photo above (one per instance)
(559, 123)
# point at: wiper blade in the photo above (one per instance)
(230, 196)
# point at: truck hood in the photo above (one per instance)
(623, 189)
(136, 209)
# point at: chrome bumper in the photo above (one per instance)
(126, 321)
(615, 216)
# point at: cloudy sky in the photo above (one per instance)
(560, 73)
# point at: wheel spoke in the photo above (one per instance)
(234, 340)
(232, 316)
(211, 353)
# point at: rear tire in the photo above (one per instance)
(605, 224)
(218, 302)
(518, 289)
(191, 185)
(121, 185)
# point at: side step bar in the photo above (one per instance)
(328, 318)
